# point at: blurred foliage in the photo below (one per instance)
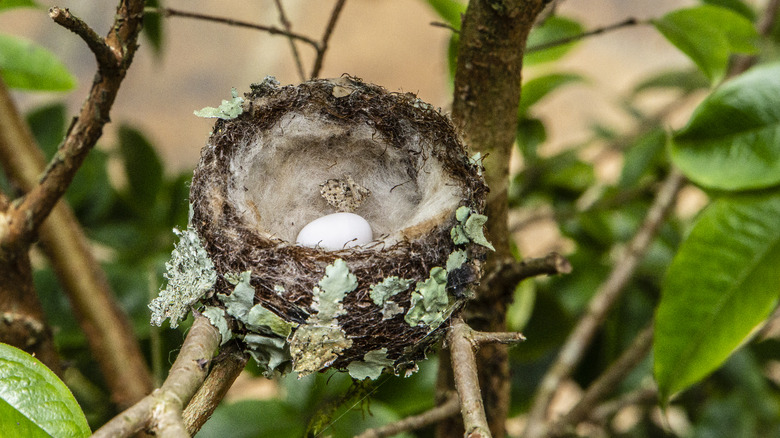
(128, 204)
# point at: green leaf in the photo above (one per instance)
(730, 142)
(9, 4)
(47, 124)
(142, 165)
(686, 81)
(153, 27)
(641, 156)
(722, 284)
(553, 29)
(709, 35)
(537, 88)
(33, 401)
(449, 10)
(27, 66)
(737, 6)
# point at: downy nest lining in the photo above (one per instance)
(298, 153)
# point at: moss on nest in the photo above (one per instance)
(259, 181)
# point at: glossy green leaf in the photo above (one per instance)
(732, 141)
(709, 35)
(143, 167)
(33, 401)
(722, 284)
(9, 4)
(27, 66)
(555, 28)
(537, 88)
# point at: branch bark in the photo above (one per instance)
(161, 411)
(227, 366)
(487, 92)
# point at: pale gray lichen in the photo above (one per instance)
(270, 352)
(314, 347)
(430, 302)
(229, 109)
(190, 274)
(336, 283)
(216, 316)
(388, 287)
(241, 299)
(372, 365)
(390, 309)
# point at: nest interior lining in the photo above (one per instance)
(277, 174)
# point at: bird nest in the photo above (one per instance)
(333, 225)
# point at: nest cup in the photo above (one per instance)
(298, 153)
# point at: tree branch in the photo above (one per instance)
(464, 369)
(445, 410)
(485, 99)
(323, 46)
(161, 411)
(226, 368)
(607, 382)
(103, 53)
(575, 346)
(105, 325)
(293, 48)
(510, 273)
(31, 210)
(598, 31)
(168, 12)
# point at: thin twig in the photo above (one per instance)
(168, 12)
(105, 56)
(644, 395)
(445, 410)
(323, 46)
(625, 23)
(445, 26)
(578, 341)
(607, 382)
(226, 368)
(161, 411)
(293, 48)
(464, 369)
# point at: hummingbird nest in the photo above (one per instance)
(329, 155)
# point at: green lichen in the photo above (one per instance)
(229, 109)
(429, 302)
(388, 287)
(190, 274)
(456, 260)
(336, 283)
(473, 229)
(260, 318)
(217, 318)
(314, 347)
(372, 365)
(241, 300)
(270, 352)
(469, 228)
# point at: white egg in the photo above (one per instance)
(336, 231)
